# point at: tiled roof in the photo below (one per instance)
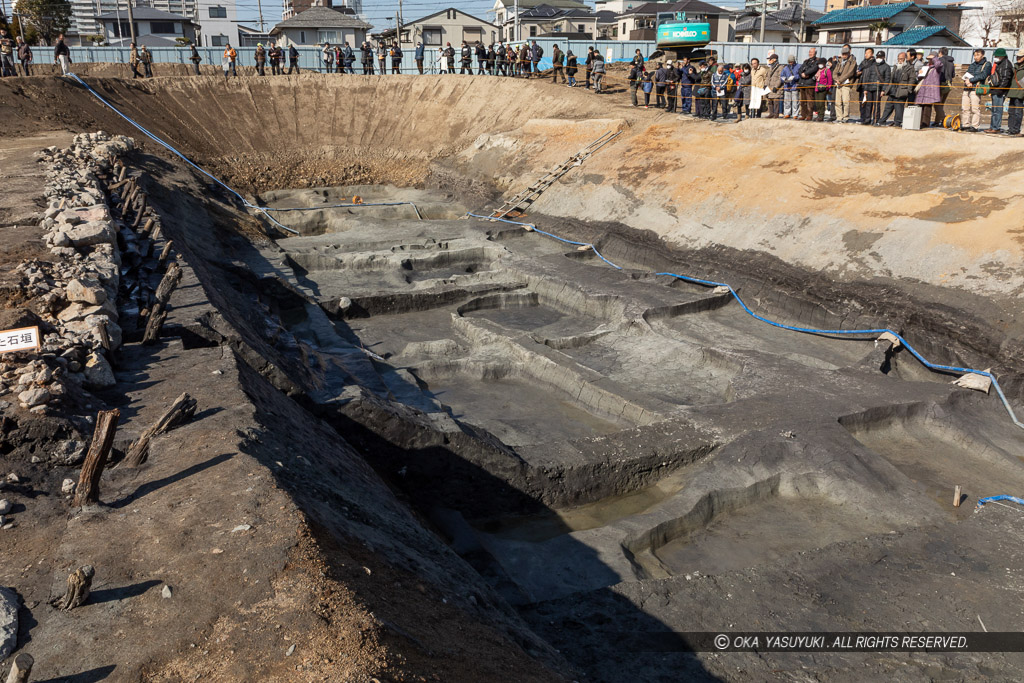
(322, 17)
(143, 14)
(916, 35)
(866, 13)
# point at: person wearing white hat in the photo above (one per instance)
(261, 59)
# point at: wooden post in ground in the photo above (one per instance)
(181, 411)
(140, 211)
(88, 490)
(21, 668)
(956, 497)
(79, 585)
(164, 255)
(158, 313)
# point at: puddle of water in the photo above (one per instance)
(534, 318)
(519, 412)
(762, 533)
(552, 523)
(937, 464)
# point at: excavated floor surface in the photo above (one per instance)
(570, 457)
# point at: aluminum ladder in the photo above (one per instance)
(517, 206)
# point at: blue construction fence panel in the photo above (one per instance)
(310, 58)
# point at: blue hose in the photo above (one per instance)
(806, 330)
(265, 211)
(990, 499)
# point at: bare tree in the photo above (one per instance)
(1011, 16)
(984, 23)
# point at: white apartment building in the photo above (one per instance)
(218, 19)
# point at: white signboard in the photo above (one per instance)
(21, 339)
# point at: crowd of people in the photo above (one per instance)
(824, 90)
(816, 89)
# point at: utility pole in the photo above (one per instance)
(516, 25)
(398, 30)
(131, 20)
(259, 8)
(803, 15)
(764, 13)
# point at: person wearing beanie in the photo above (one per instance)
(999, 80)
(1016, 95)
(790, 90)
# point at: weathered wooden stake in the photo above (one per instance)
(181, 411)
(21, 668)
(79, 585)
(141, 211)
(167, 285)
(164, 255)
(124, 171)
(147, 227)
(88, 490)
(956, 497)
(154, 322)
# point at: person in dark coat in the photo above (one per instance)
(687, 79)
(366, 51)
(481, 58)
(466, 57)
(883, 74)
(589, 64)
(867, 86)
(25, 56)
(449, 56)
(571, 68)
(396, 59)
(660, 77)
(293, 59)
(903, 80)
(635, 75)
(420, 53)
(945, 83)
(805, 86)
(1000, 80)
(671, 87)
(536, 52)
(62, 55)
(557, 58)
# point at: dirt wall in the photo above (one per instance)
(932, 206)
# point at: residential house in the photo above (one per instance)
(548, 21)
(318, 25)
(773, 5)
(789, 25)
(447, 26)
(1011, 24)
(505, 14)
(903, 23)
(641, 23)
(249, 36)
(153, 27)
(293, 7)
(218, 22)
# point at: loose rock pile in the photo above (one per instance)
(77, 293)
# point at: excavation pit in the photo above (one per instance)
(605, 432)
